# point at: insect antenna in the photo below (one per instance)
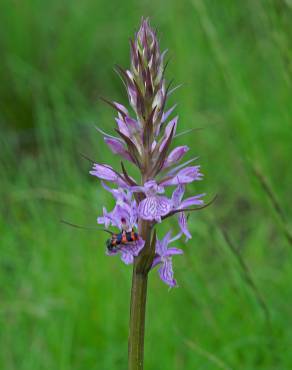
(85, 227)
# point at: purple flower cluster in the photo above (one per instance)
(145, 142)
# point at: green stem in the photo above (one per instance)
(142, 265)
(137, 320)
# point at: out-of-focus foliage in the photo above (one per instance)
(63, 303)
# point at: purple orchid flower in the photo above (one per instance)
(163, 256)
(154, 206)
(124, 216)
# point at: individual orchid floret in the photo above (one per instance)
(154, 206)
(163, 256)
(124, 216)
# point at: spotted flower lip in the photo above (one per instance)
(154, 206)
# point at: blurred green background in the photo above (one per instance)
(63, 303)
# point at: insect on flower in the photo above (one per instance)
(124, 238)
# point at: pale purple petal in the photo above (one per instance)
(192, 201)
(183, 224)
(129, 251)
(127, 257)
(161, 245)
(166, 273)
(163, 256)
(117, 147)
(167, 113)
(177, 195)
(137, 189)
(105, 220)
(175, 155)
(151, 188)
(154, 207)
(105, 172)
(132, 124)
(156, 261)
(123, 128)
(119, 194)
(120, 107)
(175, 169)
(132, 96)
(168, 129)
(124, 216)
(173, 252)
(184, 176)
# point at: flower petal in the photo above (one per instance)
(177, 195)
(120, 107)
(173, 252)
(175, 155)
(168, 129)
(105, 219)
(184, 176)
(154, 207)
(132, 124)
(129, 251)
(152, 188)
(106, 172)
(192, 201)
(123, 128)
(167, 113)
(156, 261)
(166, 273)
(183, 224)
(161, 245)
(117, 147)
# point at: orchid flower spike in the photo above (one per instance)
(144, 139)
